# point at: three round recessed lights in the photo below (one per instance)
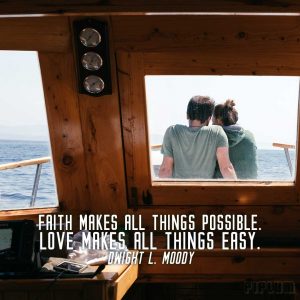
(91, 61)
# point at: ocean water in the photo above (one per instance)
(272, 164)
(16, 184)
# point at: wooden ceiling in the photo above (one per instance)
(75, 7)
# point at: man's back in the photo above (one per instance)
(193, 149)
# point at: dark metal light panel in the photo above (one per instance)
(92, 57)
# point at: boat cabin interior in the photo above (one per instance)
(103, 150)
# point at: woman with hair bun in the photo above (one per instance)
(242, 147)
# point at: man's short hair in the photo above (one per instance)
(200, 108)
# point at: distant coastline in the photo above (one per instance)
(24, 140)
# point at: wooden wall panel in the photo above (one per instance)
(210, 291)
(223, 62)
(38, 34)
(134, 123)
(132, 66)
(275, 221)
(226, 266)
(64, 122)
(102, 137)
(229, 34)
(141, 7)
(48, 295)
(218, 193)
(85, 289)
(15, 295)
(268, 266)
(103, 153)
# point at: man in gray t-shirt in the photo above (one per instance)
(192, 151)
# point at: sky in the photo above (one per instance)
(267, 105)
(22, 104)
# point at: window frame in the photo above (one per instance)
(132, 67)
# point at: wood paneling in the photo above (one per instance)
(37, 34)
(275, 221)
(102, 137)
(39, 295)
(180, 290)
(229, 34)
(219, 193)
(62, 107)
(112, 283)
(103, 153)
(86, 132)
(15, 295)
(222, 62)
(26, 213)
(132, 66)
(268, 266)
(139, 7)
(134, 122)
(218, 266)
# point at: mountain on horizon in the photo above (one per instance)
(24, 132)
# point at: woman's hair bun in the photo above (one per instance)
(229, 103)
(226, 113)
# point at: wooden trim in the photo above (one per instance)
(246, 267)
(103, 148)
(136, 7)
(134, 118)
(227, 279)
(134, 122)
(219, 193)
(229, 42)
(297, 167)
(47, 34)
(217, 252)
(276, 221)
(227, 266)
(26, 213)
(217, 62)
(125, 281)
(58, 74)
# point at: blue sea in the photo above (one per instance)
(16, 184)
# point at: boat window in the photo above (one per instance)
(26, 171)
(266, 127)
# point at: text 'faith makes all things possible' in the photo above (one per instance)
(179, 236)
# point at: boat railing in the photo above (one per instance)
(285, 147)
(155, 147)
(36, 161)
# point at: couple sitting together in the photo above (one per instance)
(222, 150)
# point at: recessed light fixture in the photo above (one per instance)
(92, 53)
(93, 84)
(91, 61)
(90, 37)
